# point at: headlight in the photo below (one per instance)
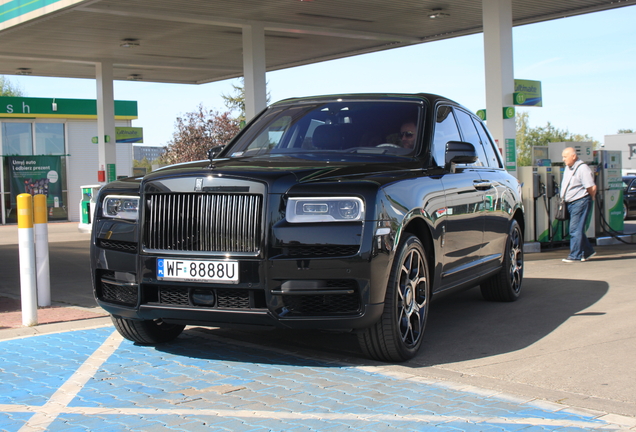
(121, 207)
(340, 209)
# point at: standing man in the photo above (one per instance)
(578, 190)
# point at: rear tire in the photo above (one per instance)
(147, 332)
(506, 285)
(398, 335)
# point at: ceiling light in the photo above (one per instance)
(129, 43)
(23, 71)
(135, 77)
(437, 13)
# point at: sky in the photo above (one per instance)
(586, 64)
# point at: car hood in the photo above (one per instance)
(282, 173)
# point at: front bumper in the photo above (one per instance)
(338, 292)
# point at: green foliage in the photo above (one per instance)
(527, 137)
(236, 102)
(144, 163)
(9, 89)
(624, 131)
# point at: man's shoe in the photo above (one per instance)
(568, 260)
(588, 258)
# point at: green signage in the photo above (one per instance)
(111, 172)
(528, 93)
(481, 114)
(17, 9)
(24, 107)
(129, 134)
(511, 154)
(509, 112)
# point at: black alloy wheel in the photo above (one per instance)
(506, 285)
(397, 336)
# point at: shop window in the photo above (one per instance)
(34, 161)
(49, 138)
(17, 139)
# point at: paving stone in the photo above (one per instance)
(196, 376)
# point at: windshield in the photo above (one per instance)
(324, 131)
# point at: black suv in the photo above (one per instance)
(332, 212)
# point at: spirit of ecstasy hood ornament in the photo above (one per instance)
(212, 154)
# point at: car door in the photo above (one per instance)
(498, 198)
(463, 228)
(630, 197)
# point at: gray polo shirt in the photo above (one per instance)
(583, 179)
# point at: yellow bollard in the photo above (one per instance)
(41, 232)
(28, 291)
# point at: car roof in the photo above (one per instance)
(406, 97)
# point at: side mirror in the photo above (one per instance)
(459, 152)
(214, 151)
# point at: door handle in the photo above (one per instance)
(482, 184)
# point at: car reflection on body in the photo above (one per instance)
(315, 217)
(629, 196)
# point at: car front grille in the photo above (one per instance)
(203, 222)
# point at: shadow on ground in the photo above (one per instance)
(461, 327)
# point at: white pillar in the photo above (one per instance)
(497, 20)
(254, 70)
(105, 115)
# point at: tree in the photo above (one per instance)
(197, 132)
(144, 163)
(236, 101)
(9, 89)
(624, 131)
(527, 137)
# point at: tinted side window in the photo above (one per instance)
(472, 136)
(492, 152)
(445, 131)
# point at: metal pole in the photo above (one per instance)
(28, 290)
(41, 229)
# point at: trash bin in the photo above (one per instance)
(87, 206)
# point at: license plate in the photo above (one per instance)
(197, 270)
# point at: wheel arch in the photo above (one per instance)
(518, 216)
(423, 231)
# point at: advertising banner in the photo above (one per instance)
(528, 93)
(36, 175)
(129, 134)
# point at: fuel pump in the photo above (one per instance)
(543, 204)
(609, 201)
(559, 228)
(530, 193)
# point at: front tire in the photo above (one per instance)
(398, 335)
(506, 285)
(147, 332)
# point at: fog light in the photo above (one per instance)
(203, 297)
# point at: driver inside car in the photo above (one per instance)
(408, 133)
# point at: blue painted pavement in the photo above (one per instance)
(91, 380)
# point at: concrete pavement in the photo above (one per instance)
(560, 358)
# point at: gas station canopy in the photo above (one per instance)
(200, 41)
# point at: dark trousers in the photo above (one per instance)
(580, 246)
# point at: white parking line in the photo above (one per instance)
(58, 403)
(46, 418)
